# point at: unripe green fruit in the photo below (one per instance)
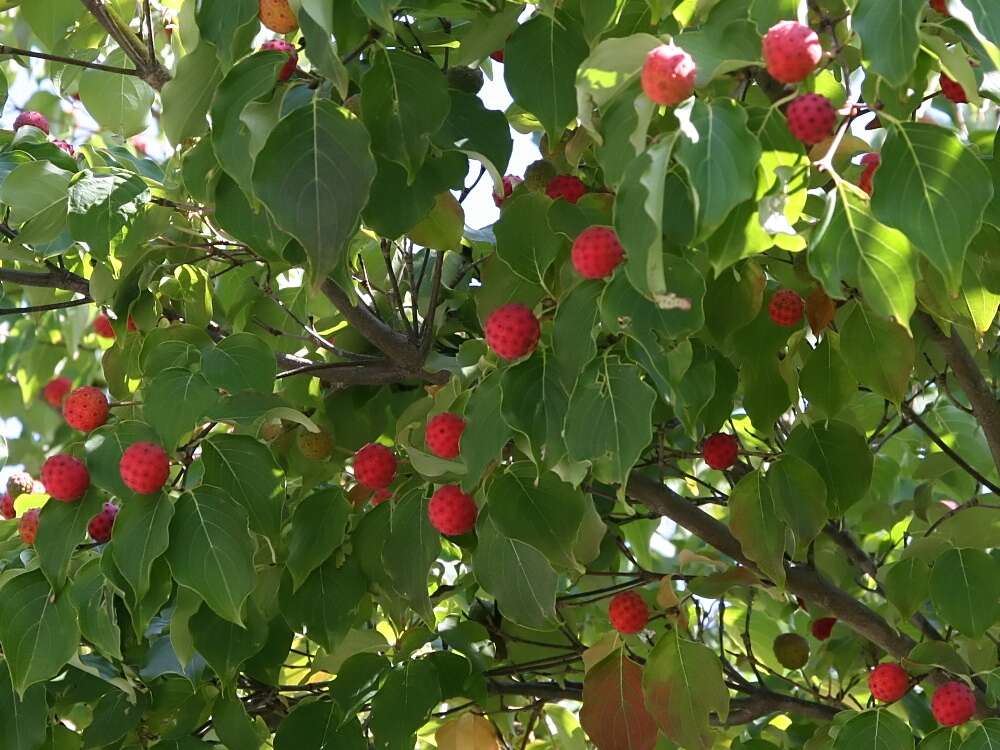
(20, 483)
(791, 650)
(468, 80)
(538, 174)
(316, 446)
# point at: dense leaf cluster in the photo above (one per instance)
(286, 276)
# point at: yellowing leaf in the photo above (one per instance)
(467, 732)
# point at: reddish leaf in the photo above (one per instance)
(614, 711)
(820, 310)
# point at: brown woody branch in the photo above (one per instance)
(148, 67)
(54, 278)
(984, 402)
(45, 308)
(6, 49)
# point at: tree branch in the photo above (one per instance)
(18, 52)
(745, 710)
(545, 690)
(45, 308)
(984, 402)
(149, 68)
(948, 450)
(54, 278)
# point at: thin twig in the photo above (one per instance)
(45, 308)
(948, 450)
(17, 51)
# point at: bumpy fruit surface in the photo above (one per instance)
(888, 682)
(628, 612)
(280, 45)
(451, 511)
(316, 446)
(86, 408)
(871, 162)
(68, 148)
(668, 75)
(467, 80)
(811, 118)
(566, 187)
(278, 16)
(791, 51)
(512, 331)
(100, 525)
(374, 466)
(822, 627)
(786, 308)
(953, 90)
(65, 478)
(596, 252)
(35, 119)
(144, 468)
(953, 704)
(443, 434)
(720, 451)
(7, 509)
(941, 6)
(55, 391)
(20, 483)
(102, 327)
(791, 650)
(510, 182)
(27, 527)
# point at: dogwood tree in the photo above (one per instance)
(695, 446)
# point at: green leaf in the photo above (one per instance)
(23, 720)
(573, 343)
(892, 56)
(396, 207)
(93, 599)
(840, 454)
(534, 403)
(314, 175)
(517, 574)
(412, 546)
(541, 59)
(888, 374)
(320, 725)
(225, 645)
(541, 511)
(626, 310)
(105, 447)
(720, 156)
(525, 243)
(639, 218)
(141, 536)
(229, 26)
(175, 401)
(612, 65)
(683, 684)
(482, 133)
(246, 470)
(61, 527)
(212, 550)
(877, 728)
(614, 711)
(719, 48)
(825, 380)
(754, 521)
(119, 103)
(38, 630)
(983, 18)
(102, 203)
(984, 737)
(403, 704)
(241, 362)
(188, 95)
(404, 101)
(906, 584)
(37, 192)
(319, 526)
(853, 247)
(115, 715)
(250, 80)
(935, 189)
(624, 125)
(609, 416)
(965, 589)
(329, 600)
(234, 727)
(487, 432)
(798, 494)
